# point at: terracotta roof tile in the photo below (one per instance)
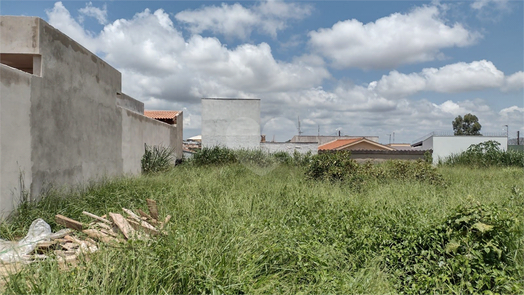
(161, 114)
(337, 143)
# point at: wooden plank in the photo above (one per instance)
(60, 234)
(162, 224)
(143, 226)
(153, 211)
(96, 217)
(122, 224)
(100, 236)
(147, 216)
(68, 222)
(132, 215)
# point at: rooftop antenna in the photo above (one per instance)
(299, 130)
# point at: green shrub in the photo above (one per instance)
(471, 251)
(157, 159)
(214, 156)
(332, 166)
(486, 154)
(340, 166)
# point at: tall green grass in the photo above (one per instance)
(235, 231)
(486, 154)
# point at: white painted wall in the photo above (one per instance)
(231, 123)
(289, 147)
(445, 146)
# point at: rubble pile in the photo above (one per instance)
(79, 238)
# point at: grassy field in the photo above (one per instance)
(235, 231)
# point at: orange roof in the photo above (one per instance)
(338, 143)
(161, 114)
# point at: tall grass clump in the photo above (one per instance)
(218, 155)
(157, 159)
(486, 154)
(338, 166)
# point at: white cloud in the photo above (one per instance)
(167, 71)
(60, 18)
(237, 21)
(90, 10)
(452, 78)
(417, 36)
(482, 4)
(514, 82)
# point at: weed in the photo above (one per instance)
(157, 159)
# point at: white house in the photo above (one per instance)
(445, 144)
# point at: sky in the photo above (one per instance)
(393, 69)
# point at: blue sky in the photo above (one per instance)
(362, 67)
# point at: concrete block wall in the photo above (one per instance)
(232, 123)
(290, 147)
(69, 123)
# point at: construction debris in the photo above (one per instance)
(68, 244)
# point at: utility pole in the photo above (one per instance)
(393, 137)
(518, 137)
(299, 130)
(507, 136)
(318, 130)
(389, 138)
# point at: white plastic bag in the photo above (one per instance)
(17, 251)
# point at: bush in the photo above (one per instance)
(157, 159)
(471, 251)
(221, 155)
(332, 166)
(214, 156)
(340, 166)
(486, 154)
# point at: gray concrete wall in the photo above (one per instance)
(68, 126)
(290, 147)
(19, 34)
(138, 130)
(74, 117)
(15, 139)
(232, 123)
(127, 102)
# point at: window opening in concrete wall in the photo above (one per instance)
(29, 63)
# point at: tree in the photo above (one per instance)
(469, 125)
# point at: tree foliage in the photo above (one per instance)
(469, 125)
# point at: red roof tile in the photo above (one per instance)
(161, 114)
(337, 143)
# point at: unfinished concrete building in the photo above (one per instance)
(63, 117)
(231, 122)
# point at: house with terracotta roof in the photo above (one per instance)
(352, 144)
(169, 117)
(364, 150)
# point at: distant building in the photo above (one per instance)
(401, 146)
(365, 150)
(322, 139)
(231, 122)
(169, 117)
(352, 144)
(446, 144)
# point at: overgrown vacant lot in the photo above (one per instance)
(235, 231)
